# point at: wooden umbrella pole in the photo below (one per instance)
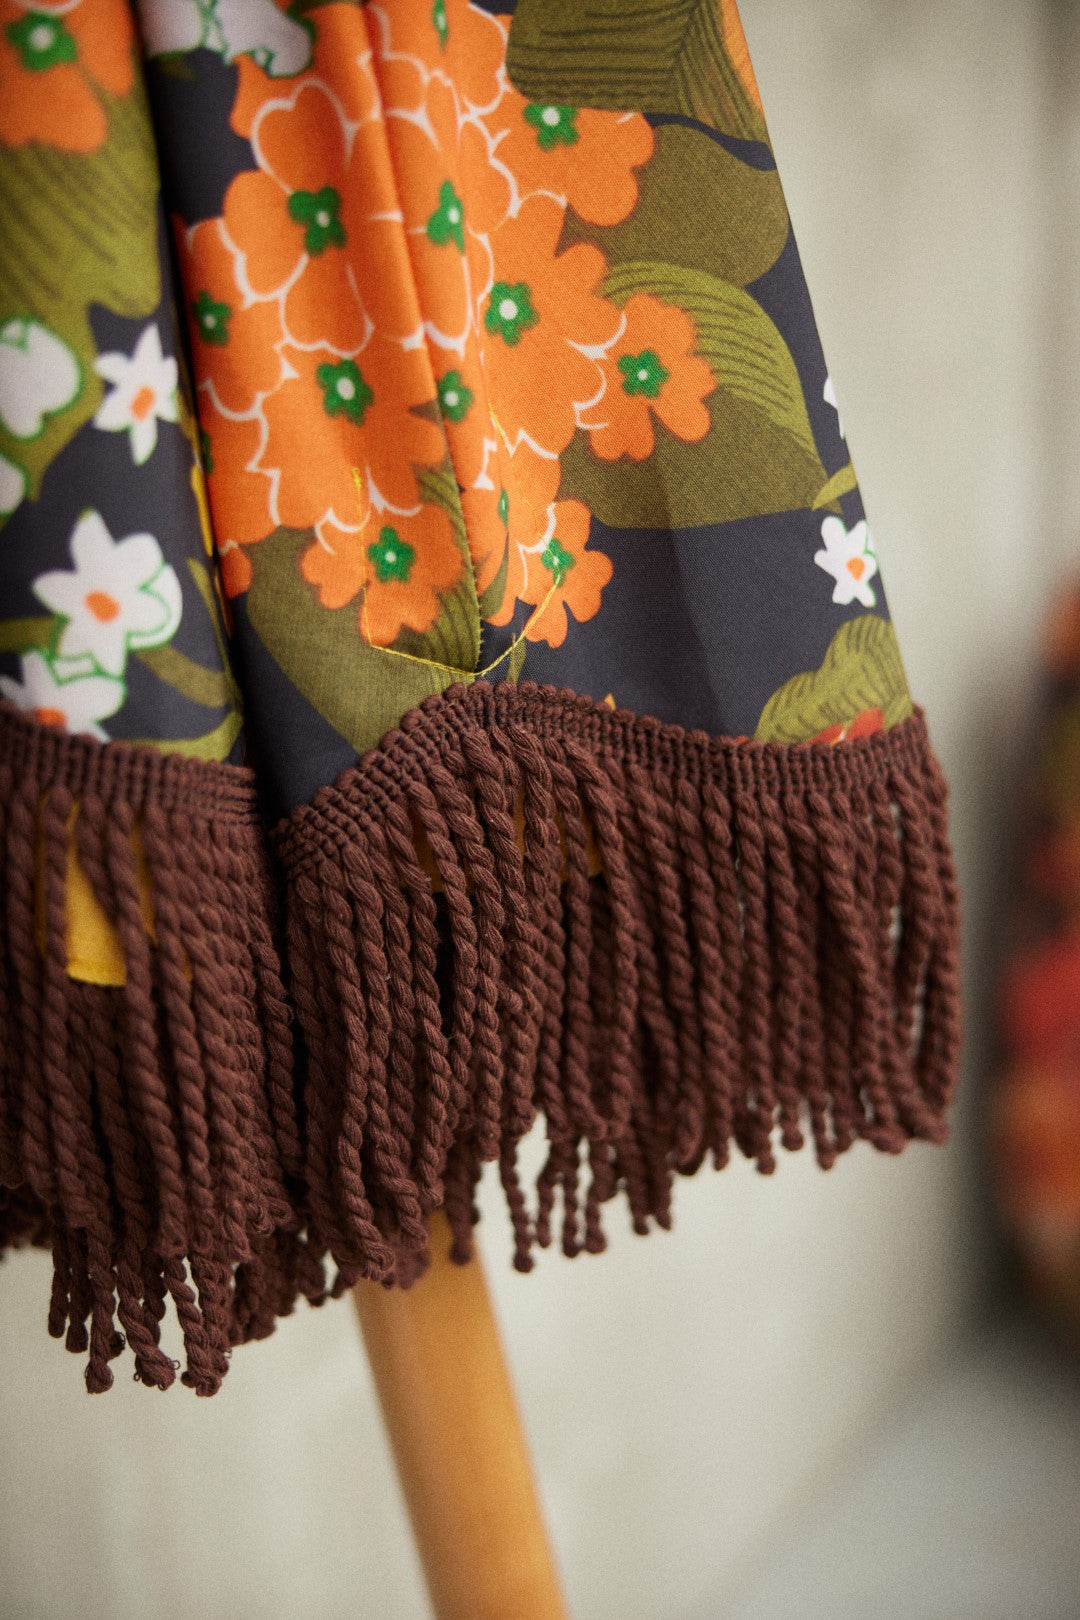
(457, 1437)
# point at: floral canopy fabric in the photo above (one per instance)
(447, 678)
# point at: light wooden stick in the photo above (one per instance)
(457, 1437)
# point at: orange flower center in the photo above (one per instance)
(50, 717)
(143, 402)
(103, 606)
(856, 567)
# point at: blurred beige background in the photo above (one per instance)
(787, 1408)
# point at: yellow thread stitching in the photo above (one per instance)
(434, 663)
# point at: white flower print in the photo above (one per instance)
(121, 595)
(76, 706)
(12, 486)
(172, 25)
(849, 557)
(39, 375)
(828, 394)
(144, 390)
(278, 43)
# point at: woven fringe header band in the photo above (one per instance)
(324, 1032)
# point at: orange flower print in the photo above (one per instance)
(474, 49)
(460, 40)
(487, 182)
(527, 484)
(55, 58)
(863, 724)
(461, 390)
(403, 563)
(434, 215)
(564, 579)
(548, 565)
(341, 60)
(318, 224)
(539, 312)
(650, 371)
(335, 414)
(240, 494)
(234, 339)
(501, 518)
(485, 512)
(587, 157)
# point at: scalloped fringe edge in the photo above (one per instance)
(769, 953)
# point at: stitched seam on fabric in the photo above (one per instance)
(434, 663)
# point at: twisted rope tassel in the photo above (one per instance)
(521, 903)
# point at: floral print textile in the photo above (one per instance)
(349, 350)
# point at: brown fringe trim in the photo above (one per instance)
(769, 952)
(147, 1133)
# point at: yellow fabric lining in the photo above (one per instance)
(94, 952)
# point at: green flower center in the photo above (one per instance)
(212, 318)
(554, 126)
(393, 557)
(447, 223)
(41, 41)
(642, 373)
(454, 397)
(345, 393)
(438, 17)
(320, 214)
(510, 311)
(503, 507)
(557, 560)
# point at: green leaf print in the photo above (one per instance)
(636, 56)
(839, 484)
(759, 455)
(82, 229)
(739, 234)
(748, 356)
(861, 670)
(27, 635)
(210, 687)
(362, 691)
(454, 638)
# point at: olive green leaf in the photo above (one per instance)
(636, 56)
(861, 670)
(492, 597)
(28, 635)
(210, 687)
(839, 484)
(82, 229)
(454, 638)
(759, 455)
(213, 687)
(699, 207)
(362, 691)
(515, 664)
(748, 356)
(213, 744)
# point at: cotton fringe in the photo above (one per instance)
(523, 903)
